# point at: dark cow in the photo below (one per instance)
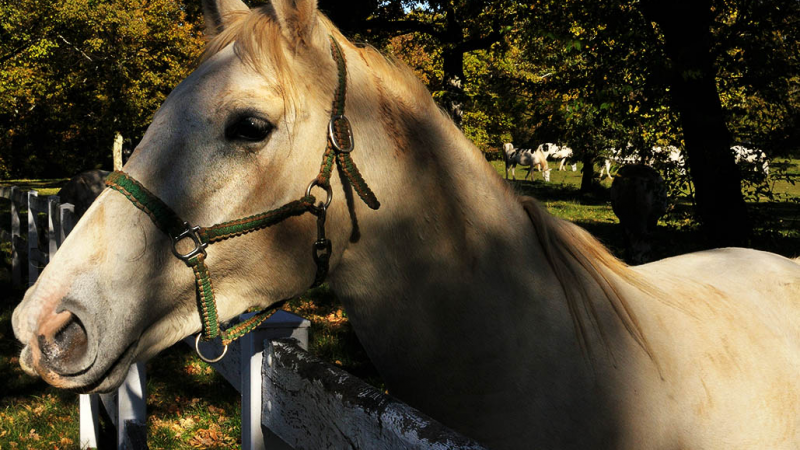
(82, 189)
(639, 199)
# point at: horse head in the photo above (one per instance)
(243, 134)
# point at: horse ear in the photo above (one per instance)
(296, 18)
(217, 14)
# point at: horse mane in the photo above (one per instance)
(575, 256)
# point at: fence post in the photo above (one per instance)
(90, 425)
(33, 238)
(117, 151)
(16, 240)
(252, 438)
(67, 219)
(280, 325)
(53, 226)
(131, 402)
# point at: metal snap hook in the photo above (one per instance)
(208, 360)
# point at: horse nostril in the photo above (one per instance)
(64, 344)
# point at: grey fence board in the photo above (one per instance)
(67, 219)
(34, 255)
(310, 404)
(12, 193)
(53, 226)
(16, 237)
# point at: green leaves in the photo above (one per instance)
(75, 72)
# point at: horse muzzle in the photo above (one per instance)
(63, 347)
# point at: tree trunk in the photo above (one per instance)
(453, 84)
(587, 177)
(720, 205)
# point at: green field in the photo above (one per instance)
(191, 406)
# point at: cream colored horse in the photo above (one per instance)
(476, 306)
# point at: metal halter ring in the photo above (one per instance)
(332, 133)
(200, 354)
(327, 188)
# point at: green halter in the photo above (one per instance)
(340, 144)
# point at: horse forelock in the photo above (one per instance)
(574, 253)
(258, 41)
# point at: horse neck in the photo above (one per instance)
(450, 245)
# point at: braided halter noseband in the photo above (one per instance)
(340, 144)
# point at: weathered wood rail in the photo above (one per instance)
(290, 399)
(310, 404)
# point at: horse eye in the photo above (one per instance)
(248, 128)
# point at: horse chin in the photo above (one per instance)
(115, 374)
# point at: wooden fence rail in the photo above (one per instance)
(290, 399)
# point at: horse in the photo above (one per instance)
(525, 157)
(476, 306)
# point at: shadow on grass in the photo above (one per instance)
(543, 192)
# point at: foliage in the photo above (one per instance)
(74, 72)
(591, 75)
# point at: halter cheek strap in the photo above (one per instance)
(339, 146)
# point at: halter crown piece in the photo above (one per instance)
(340, 144)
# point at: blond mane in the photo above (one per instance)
(573, 254)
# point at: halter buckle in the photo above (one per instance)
(337, 122)
(191, 233)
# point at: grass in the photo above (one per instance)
(191, 406)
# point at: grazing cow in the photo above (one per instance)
(617, 158)
(555, 152)
(525, 157)
(751, 157)
(639, 199)
(674, 156)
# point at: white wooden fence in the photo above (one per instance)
(47, 220)
(290, 399)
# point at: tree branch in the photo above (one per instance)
(13, 53)
(479, 43)
(403, 26)
(75, 48)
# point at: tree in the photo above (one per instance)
(76, 72)
(597, 62)
(686, 25)
(459, 27)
